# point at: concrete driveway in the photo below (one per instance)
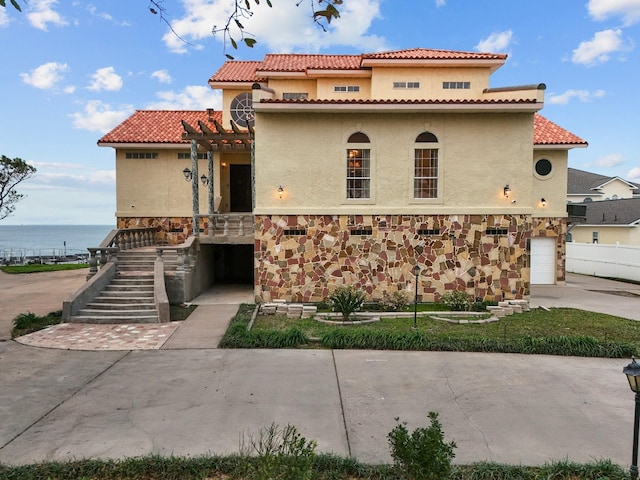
(63, 405)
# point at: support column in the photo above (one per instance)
(195, 192)
(253, 173)
(210, 165)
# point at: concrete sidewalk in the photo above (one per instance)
(518, 409)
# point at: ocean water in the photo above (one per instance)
(45, 240)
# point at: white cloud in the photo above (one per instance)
(192, 97)
(440, 3)
(581, 95)
(105, 79)
(41, 14)
(496, 42)
(600, 47)
(4, 17)
(94, 11)
(629, 10)
(283, 28)
(162, 76)
(634, 175)
(611, 160)
(46, 76)
(100, 117)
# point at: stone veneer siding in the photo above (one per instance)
(303, 257)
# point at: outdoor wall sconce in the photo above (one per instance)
(506, 190)
(188, 176)
(543, 202)
(280, 191)
(632, 371)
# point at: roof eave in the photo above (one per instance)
(386, 107)
(168, 145)
(559, 146)
(492, 63)
(233, 85)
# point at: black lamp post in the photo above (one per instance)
(416, 272)
(632, 371)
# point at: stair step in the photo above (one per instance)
(123, 300)
(120, 306)
(126, 294)
(129, 288)
(102, 319)
(90, 312)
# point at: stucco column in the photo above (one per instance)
(194, 187)
(210, 176)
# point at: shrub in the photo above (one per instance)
(423, 454)
(30, 322)
(457, 301)
(280, 453)
(346, 300)
(395, 301)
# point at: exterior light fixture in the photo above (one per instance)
(187, 174)
(632, 371)
(543, 202)
(280, 191)
(416, 272)
(204, 179)
(506, 190)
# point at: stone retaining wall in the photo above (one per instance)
(301, 258)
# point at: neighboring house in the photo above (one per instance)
(356, 168)
(590, 187)
(610, 222)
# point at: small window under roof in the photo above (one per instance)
(358, 137)
(426, 137)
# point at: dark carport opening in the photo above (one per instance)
(233, 264)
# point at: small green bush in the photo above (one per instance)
(279, 453)
(395, 301)
(457, 301)
(346, 300)
(422, 454)
(30, 322)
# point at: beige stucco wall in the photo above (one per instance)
(157, 187)
(430, 82)
(609, 235)
(227, 96)
(306, 154)
(551, 187)
(293, 86)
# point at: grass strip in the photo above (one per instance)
(42, 267)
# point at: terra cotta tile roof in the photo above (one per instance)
(164, 126)
(237, 71)
(545, 132)
(157, 126)
(302, 63)
(430, 54)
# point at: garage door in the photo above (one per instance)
(543, 261)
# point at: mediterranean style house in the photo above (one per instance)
(372, 170)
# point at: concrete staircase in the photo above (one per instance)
(129, 298)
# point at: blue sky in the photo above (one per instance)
(72, 70)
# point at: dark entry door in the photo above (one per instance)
(240, 195)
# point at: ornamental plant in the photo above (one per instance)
(457, 301)
(346, 300)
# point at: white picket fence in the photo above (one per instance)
(615, 261)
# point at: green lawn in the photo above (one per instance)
(535, 323)
(38, 267)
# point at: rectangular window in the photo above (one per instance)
(187, 156)
(346, 88)
(496, 231)
(361, 231)
(295, 96)
(456, 85)
(429, 231)
(594, 237)
(141, 155)
(425, 179)
(406, 85)
(358, 173)
(295, 231)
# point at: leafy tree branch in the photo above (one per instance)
(12, 172)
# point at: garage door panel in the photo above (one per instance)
(543, 261)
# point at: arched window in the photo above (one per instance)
(358, 167)
(425, 176)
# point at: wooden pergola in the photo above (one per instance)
(219, 139)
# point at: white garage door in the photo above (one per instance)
(543, 261)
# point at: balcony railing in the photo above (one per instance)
(228, 224)
(118, 240)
